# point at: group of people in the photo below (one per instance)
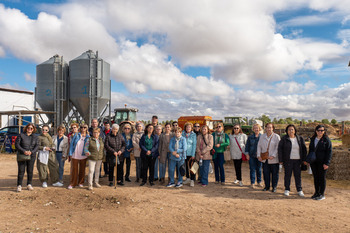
(185, 152)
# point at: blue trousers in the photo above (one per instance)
(255, 169)
(219, 167)
(204, 171)
(60, 165)
(270, 170)
(172, 165)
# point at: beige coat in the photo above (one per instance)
(206, 148)
(136, 143)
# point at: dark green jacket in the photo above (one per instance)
(91, 147)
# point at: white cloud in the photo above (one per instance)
(29, 77)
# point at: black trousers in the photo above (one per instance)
(319, 177)
(22, 166)
(128, 163)
(106, 167)
(148, 164)
(188, 172)
(238, 168)
(120, 170)
(292, 166)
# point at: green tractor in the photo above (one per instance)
(246, 127)
(125, 115)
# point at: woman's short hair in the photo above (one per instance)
(59, 128)
(205, 126)
(167, 123)
(96, 130)
(240, 129)
(178, 129)
(115, 126)
(26, 127)
(74, 124)
(45, 126)
(140, 123)
(187, 124)
(291, 125)
(259, 126)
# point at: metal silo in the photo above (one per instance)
(90, 86)
(51, 88)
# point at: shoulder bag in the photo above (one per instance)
(265, 155)
(244, 158)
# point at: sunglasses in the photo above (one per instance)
(320, 130)
(196, 126)
(31, 128)
(83, 127)
(127, 128)
(45, 130)
(219, 126)
(235, 128)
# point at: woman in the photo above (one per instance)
(27, 144)
(157, 131)
(127, 134)
(269, 142)
(322, 146)
(221, 141)
(177, 148)
(115, 147)
(205, 143)
(137, 150)
(164, 152)
(94, 150)
(74, 131)
(191, 140)
(47, 159)
(237, 146)
(61, 146)
(251, 153)
(149, 151)
(292, 153)
(78, 157)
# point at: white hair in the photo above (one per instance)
(115, 126)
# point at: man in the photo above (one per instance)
(175, 125)
(94, 125)
(154, 121)
(196, 128)
(106, 131)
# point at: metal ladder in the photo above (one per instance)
(93, 90)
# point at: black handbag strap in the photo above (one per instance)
(204, 140)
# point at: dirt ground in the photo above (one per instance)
(131, 208)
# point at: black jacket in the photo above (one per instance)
(285, 148)
(27, 143)
(114, 143)
(323, 150)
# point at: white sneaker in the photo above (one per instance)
(30, 187)
(192, 183)
(90, 187)
(286, 192)
(97, 185)
(44, 185)
(236, 181)
(19, 188)
(240, 183)
(187, 181)
(57, 184)
(301, 194)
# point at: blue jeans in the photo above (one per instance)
(156, 168)
(255, 168)
(60, 165)
(172, 165)
(270, 169)
(204, 172)
(162, 169)
(219, 167)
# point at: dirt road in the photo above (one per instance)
(215, 208)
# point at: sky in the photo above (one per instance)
(193, 57)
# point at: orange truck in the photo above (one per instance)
(202, 120)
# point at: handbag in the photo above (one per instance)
(22, 157)
(244, 158)
(212, 151)
(265, 155)
(311, 157)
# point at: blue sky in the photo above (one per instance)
(291, 57)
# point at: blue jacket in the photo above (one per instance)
(181, 150)
(128, 146)
(154, 149)
(74, 141)
(251, 146)
(191, 143)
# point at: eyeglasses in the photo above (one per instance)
(235, 128)
(320, 130)
(31, 128)
(127, 128)
(219, 126)
(83, 127)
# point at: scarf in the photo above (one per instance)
(127, 137)
(177, 140)
(219, 137)
(48, 138)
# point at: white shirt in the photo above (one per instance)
(295, 153)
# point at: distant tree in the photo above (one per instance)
(289, 120)
(325, 121)
(334, 121)
(281, 121)
(275, 121)
(304, 121)
(265, 119)
(296, 121)
(309, 121)
(316, 121)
